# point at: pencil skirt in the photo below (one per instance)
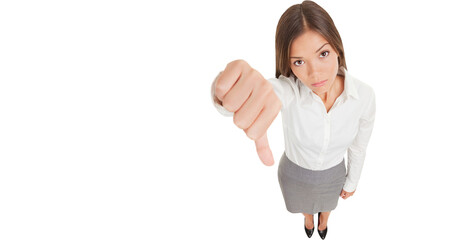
(310, 191)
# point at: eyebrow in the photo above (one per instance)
(315, 52)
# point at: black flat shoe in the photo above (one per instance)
(324, 232)
(309, 232)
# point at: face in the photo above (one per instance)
(312, 60)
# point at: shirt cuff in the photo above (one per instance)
(349, 186)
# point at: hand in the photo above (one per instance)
(245, 92)
(345, 194)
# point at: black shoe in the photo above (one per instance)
(309, 232)
(324, 232)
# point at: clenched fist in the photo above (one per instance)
(245, 92)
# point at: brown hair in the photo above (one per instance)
(298, 19)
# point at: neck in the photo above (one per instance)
(332, 90)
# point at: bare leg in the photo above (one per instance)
(309, 221)
(324, 216)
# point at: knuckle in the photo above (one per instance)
(266, 88)
(236, 63)
(250, 134)
(250, 75)
(219, 89)
(228, 106)
(276, 102)
(238, 122)
(253, 135)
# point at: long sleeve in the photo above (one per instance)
(282, 88)
(357, 150)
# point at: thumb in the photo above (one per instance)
(264, 151)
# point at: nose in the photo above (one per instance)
(311, 69)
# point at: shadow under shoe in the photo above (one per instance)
(321, 233)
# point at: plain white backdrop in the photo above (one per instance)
(107, 128)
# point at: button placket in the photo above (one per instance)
(325, 140)
(326, 133)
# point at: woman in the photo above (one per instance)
(325, 112)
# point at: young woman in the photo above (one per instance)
(326, 112)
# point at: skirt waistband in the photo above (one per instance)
(306, 169)
(289, 168)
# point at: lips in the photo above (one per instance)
(319, 83)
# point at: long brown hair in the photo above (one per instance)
(295, 21)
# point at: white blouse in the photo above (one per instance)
(316, 139)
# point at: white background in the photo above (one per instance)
(107, 129)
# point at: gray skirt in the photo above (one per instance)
(309, 191)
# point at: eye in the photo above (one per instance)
(294, 63)
(325, 52)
